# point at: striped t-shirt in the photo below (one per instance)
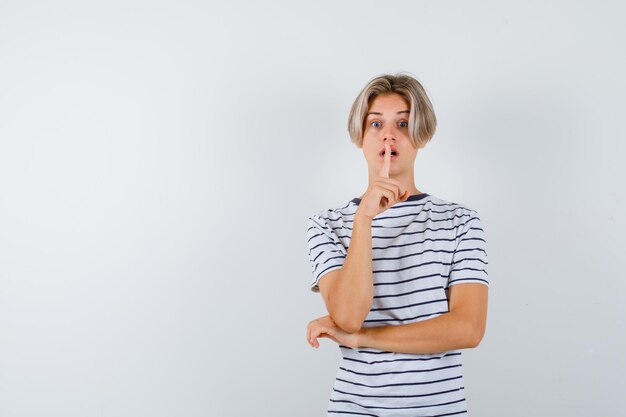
(420, 247)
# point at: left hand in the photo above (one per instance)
(326, 327)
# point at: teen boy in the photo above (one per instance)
(402, 273)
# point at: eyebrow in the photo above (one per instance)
(380, 114)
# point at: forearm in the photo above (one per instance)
(352, 294)
(443, 333)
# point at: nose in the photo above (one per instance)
(389, 134)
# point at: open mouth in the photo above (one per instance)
(392, 149)
(394, 154)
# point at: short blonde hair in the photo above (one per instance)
(422, 120)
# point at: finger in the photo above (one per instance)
(311, 339)
(315, 333)
(331, 337)
(395, 189)
(384, 171)
(308, 334)
(384, 186)
(390, 196)
(312, 333)
(394, 185)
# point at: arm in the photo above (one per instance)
(348, 292)
(462, 327)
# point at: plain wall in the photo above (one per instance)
(159, 161)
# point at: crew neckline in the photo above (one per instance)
(414, 197)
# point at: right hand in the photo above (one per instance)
(383, 192)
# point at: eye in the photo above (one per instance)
(403, 124)
(375, 123)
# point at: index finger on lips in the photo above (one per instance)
(384, 171)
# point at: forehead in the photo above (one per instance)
(388, 103)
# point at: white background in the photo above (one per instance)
(159, 161)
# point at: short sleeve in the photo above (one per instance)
(469, 261)
(326, 252)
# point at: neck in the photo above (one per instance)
(407, 182)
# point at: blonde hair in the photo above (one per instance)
(422, 120)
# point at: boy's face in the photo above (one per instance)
(388, 121)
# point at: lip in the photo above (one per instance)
(392, 149)
(381, 156)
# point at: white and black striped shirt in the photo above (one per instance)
(420, 247)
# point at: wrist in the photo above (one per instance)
(360, 216)
(361, 337)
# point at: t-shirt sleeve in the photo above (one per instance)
(326, 252)
(469, 261)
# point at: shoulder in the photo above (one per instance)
(331, 228)
(458, 215)
(455, 208)
(333, 217)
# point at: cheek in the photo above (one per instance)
(370, 150)
(370, 141)
(369, 133)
